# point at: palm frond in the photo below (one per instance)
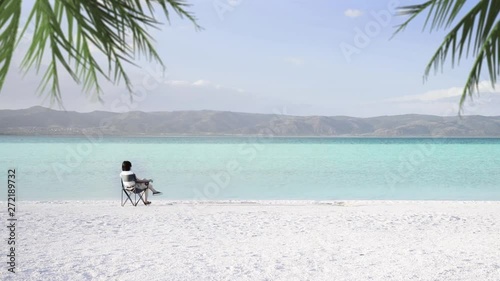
(412, 11)
(73, 33)
(476, 33)
(489, 52)
(10, 13)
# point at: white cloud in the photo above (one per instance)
(294, 60)
(445, 102)
(177, 82)
(353, 13)
(186, 83)
(484, 87)
(201, 83)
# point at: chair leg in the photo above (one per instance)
(142, 195)
(127, 199)
(141, 198)
(136, 200)
(123, 202)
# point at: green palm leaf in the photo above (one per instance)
(477, 33)
(68, 33)
(10, 13)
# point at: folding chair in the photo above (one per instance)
(138, 194)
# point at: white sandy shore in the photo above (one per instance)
(351, 240)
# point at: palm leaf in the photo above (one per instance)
(118, 29)
(10, 13)
(475, 33)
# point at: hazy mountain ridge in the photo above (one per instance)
(43, 121)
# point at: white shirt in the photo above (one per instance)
(127, 183)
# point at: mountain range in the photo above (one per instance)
(43, 121)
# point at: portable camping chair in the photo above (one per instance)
(138, 194)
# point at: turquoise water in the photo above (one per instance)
(252, 168)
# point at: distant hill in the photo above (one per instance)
(43, 121)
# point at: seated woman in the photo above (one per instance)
(143, 184)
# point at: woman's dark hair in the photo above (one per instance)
(126, 165)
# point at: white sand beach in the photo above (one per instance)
(296, 240)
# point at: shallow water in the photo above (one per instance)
(253, 168)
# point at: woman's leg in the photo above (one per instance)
(146, 195)
(150, 187)
(145, 188)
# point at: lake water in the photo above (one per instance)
(253, 168)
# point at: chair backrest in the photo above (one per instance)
(127, 178)
(123, 186)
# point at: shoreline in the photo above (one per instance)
(267, 137)
(271, 202)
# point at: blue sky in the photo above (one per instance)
(295, 57)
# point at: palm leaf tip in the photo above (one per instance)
(118, 29)
(10, 13)
(477, 33)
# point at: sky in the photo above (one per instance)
(295, 57)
